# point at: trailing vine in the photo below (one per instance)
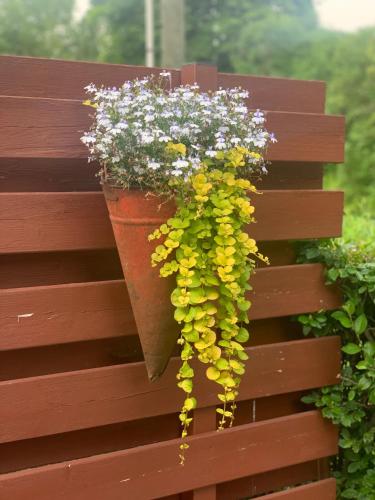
(206, 247)
(351, 403)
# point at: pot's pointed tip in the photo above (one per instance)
(156, 366)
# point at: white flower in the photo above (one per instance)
(135, 121)
(195, 162)
(147, 138)
(164, 138)
(180, 164)
(154, 165)
(88, 139)
(241, 109)
(175, 129)
(273, 138)
(91, 88)
(258, 117)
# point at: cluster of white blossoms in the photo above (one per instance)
(134, 125)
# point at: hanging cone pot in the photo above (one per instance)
(134, 216)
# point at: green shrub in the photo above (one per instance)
(351, 403)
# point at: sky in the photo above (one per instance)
(342, 15)
(346, 15)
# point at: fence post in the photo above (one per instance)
(205, 75)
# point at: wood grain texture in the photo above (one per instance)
(322, 490)
(56, 314)
(52, 268)
(245, 450)
(205, 75)
(64, 175)
(37, 77)
(57, 448)
(100, 396)
(44, 360)
(28, 453)
(19, 270)
(278, 94)
(41, 222)
(266, 482)
(204, 421)
(33, 362)
(61, 123)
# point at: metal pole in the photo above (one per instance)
(149, 33)
(172, 33)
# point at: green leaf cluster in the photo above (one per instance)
(351, 403)
(212, 258)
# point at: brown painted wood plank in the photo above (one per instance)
(56, 314)
(28, 453)
(87, 398)
(278, 94)
(36, 222)
(51, 175)
(236, 452)
(284, 175)
(57, 448)
(44, 360)
(253, 486)
(36, 77)
(51, 128)
(63, 175)
(33, 362)
(308, 135)
(322, 490)
(204, 421)
(19, 270)
(53, 268)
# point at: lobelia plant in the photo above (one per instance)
(202, 150)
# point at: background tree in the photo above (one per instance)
(36, 27)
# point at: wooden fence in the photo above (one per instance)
(78, 418)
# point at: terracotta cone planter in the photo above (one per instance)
(134, 216)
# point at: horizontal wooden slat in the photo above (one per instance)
(278, 94)
(44, 360)
(57, 448)
(245, 450)
(99, 396)
(322, 490)
(56, 314)
(36, 222)
(266, 482)
(18, 270)
(35, 77)
(59, 175)
(38, 77)
(51, 128)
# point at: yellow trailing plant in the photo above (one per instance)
(207, 247)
